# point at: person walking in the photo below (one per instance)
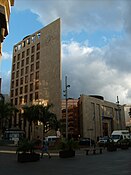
(45, 149)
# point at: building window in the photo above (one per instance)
(22, 72)
(31, 97)
(19, 46)
(26, 88)
(37, 75)
(31, 77)
(38, 46)
(37, 65)
(20, 100)
(27, 60)
(36, 95)
(16, 92)
(32, 58)
(33, 38)
(17, 74)
(37, 85)
(27, 69)
(18, 58)
(31, 87)
(28, 41)
(17, 81)
(12, 93)
(33, 49)
(26, 79)
(38, 35)
(14, 59)
(27, 52)
(18, 65)
(25, 99)
(23, 54)
(16, 101)
(22, 63)
(21, 90)
(13, 67)
(21, 81)
(12, 84)
(23, 44)
(32, 68)
(13, 75)
(37, 55)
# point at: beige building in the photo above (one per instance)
(36, 71)
(99, 117)
(127, 109)
(5, 9)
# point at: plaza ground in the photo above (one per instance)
(108, 163)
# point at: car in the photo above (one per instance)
(86, 142)
(103, 140)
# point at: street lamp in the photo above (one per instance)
(66, 97)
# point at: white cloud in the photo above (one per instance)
(6, 56)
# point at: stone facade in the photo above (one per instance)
(99, 117)
(36, 70)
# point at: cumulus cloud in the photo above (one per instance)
(6, 56)
(91, 70)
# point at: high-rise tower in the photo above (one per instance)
(36, 71)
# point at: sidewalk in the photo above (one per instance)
(109, 163)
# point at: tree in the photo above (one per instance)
(40, 113)
(7, 110)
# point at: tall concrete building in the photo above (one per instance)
(36, 71)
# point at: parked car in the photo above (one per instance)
(103, 140)
(86, 142)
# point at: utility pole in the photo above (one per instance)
(66, 98)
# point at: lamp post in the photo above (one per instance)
(66, 97)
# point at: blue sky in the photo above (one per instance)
(96, 41)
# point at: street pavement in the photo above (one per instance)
(107, 163)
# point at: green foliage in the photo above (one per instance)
(66, 144)
(25, 146)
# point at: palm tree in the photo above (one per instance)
(7, 110)
(40, 113)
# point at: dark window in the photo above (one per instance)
(21, 90)
(22, 63)
(18, 65)
(12, 93)
(14, 59)
(37, 65)
(17, 81)
(13, 67)
(27, 52)
(25, 99)
(12, 84)
(21, 81)
(33, 49)
(26, 88)
(27, 69)
(16, 101)
(37, 75)
(22, 72)
(16, 92)
(32, 68)
(37, 55)
(31, 87)
(20, 100)
(36, 95)
(17, 74)
(37, 85)
(38, 46)
(18, 58)
(26, 79)
(13, 75)
(27, 60)
(32, 58)
(31, 77)
(23, 54)
(31, 97)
